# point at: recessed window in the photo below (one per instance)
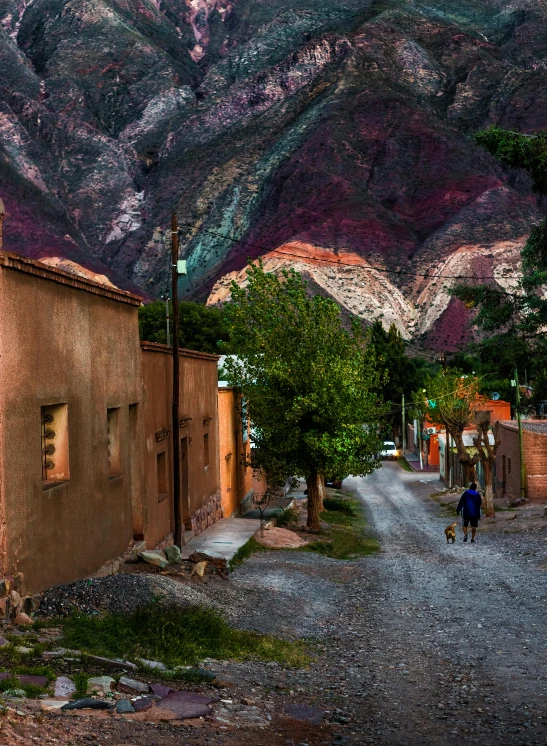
(206, 450)
(509, 466)
(114, 445)
(161, 470)
(55, 467)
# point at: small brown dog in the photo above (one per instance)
(450, 532)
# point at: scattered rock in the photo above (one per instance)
(160, 690)
(142, 703)
(22, 649)
(100, 684)
(156, 665)
(279, 538)
(4, 587)
(247, 701)
(3, 642)
(187, 704)
(17, 693)
(15, 599)
(64, 687)
(116, 663)
(305, 713)
(154, 558)
(87, 704)
(61, 652)
(53, 704)
(199, 569)
(173, 554)
(132, 686)
(23, 619)
(124, 706)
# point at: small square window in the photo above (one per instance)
(114, 445)
(55, 468)
(161, 470)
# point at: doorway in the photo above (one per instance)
(184, 497)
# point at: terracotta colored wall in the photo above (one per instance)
(535, 461)
(198, 402)
(236, 480)
(65, 340)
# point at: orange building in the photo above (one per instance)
(236, 479)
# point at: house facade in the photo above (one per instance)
(199, 444)
(236, 478)
(534, 444)
(71, 466)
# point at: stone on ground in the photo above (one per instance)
(157, 559)
(279, 538)
(132, 686)
(23, 619)
(187, 704)
(142, 703)
(100, 684)
(87, 704)
(23, 650)
(41, 681)
(124, 706)
(305, 713)
(3, 642)
(160, 690)
(153, 664)
(173, 554)
(64, 687)
(53, 704)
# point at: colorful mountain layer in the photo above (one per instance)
(333, 136)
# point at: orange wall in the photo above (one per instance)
(236, 480)
(65, 340)
(198, 417)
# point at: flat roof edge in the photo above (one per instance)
(183, 352)
(39, 269)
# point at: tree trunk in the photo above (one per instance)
(488, 490)
(315, 501)
(322, 492)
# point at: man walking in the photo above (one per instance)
(470, 505)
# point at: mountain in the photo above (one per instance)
(332, 136)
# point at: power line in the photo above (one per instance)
(339, 262)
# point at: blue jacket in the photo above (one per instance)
(470, 503)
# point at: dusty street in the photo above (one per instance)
(422, 643)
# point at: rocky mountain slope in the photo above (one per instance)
(332, 136)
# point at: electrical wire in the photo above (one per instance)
(233, 239)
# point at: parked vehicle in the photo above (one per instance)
(389, 451)
(334, 483)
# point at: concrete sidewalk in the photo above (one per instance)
(223, 539)
(414, 462)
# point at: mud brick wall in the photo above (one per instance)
(508, 462)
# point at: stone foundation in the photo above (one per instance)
(209, 513)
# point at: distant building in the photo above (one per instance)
(70, 422)
(236, 477)
(534, 442)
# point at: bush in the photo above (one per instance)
(339, 505)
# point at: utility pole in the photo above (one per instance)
(177, 534)
(521, 449)
(404, 426)
(167, 318)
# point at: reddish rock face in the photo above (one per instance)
(343, 129)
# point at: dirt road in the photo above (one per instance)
(422, 644)
(455, 635)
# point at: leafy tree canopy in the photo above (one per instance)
(310, 384)
(201, 327)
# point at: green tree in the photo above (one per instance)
(399, 373)
(454, 400)
(201, 327)
(310, 384)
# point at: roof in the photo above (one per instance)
(168, 350)
(534, 426)
(46, 272)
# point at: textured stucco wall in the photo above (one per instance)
(198, 407)
(236, 480)
(65, 341)
(535, 461)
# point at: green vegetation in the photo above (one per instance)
(31, 690)
(514, 323)
(286, 517)
(403, 463)
(249, 548)
(346, 538)
(174, 636)
(80, 680)
(201, 327)
(311, 385)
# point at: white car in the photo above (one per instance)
(389, 450)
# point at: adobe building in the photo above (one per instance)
(534, 443)
(71, 465)
(153, 520)
(236, 478)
